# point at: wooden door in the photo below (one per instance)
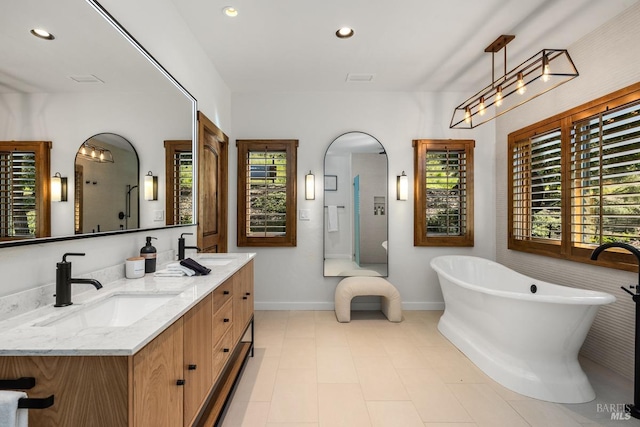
(213, 146)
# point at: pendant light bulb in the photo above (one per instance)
(481, 108)
(499, 96)
(93, 153)
(521, 87)
(102, 156)
(467, 115)
(546, 70)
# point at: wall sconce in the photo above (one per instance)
(402, 187)
(58, 188)
(309, 186)
(150, 187)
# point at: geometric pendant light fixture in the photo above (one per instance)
(544, 71)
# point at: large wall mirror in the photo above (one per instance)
(355, 207)
(89, 79)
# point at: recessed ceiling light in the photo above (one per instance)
(43, 34)
(231, 12)
(345, 33)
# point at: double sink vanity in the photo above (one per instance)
(155, 351)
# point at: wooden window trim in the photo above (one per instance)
(43, 181)
(566, 250)
(290, 147)
(420, 237)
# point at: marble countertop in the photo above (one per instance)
(30, 334)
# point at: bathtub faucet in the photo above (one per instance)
(634, 409)
(597, 251)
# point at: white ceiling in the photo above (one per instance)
(409, 45)
(290, 45)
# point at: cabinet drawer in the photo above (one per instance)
(222, 322)
(222, 352)
(222, 294)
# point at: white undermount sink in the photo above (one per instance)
(215, 261)
(116, 310)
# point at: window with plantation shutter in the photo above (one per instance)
(179, 167)
(605, 178)
(536, 184)
(24, 181)
(574, 181)
(267, 192)
(444, 192)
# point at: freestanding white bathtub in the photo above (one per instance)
(526, 341)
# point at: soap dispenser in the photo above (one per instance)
(149, 252)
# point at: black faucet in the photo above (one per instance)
(634, 409)
(64, 281)
(182, 247)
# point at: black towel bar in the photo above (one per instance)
(23, 383)
(35, 403)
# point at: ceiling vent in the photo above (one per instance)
(360, 78)
(86, 79)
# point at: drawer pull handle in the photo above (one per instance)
(225, 350)
(226, 320)
(192, 367)
(244, 297)
(248, 293)
(180, 382)
(225, 293)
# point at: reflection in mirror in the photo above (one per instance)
(96, 81)
(106, 185)
(355, 207)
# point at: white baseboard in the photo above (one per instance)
(356, 306)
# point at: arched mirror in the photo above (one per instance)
(355, 207)
(106, 185)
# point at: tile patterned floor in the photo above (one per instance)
(309, 370)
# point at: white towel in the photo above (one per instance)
(10, 415)
(332, 218)
(176, 266)
(169, 273)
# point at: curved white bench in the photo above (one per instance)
(360, 286)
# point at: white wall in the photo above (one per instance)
(291, 278)
(160, 29)
(607, 59)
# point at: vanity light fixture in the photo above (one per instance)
(544, 71)
(230, 11)
(58, 188)
(402, 187)
(95, 153)
(309, 186)
(42, 34)
(150, 186)
(345, 33)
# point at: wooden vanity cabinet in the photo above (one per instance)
(181, 378)
(242, 300)
(198, 342)
(158, 371)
